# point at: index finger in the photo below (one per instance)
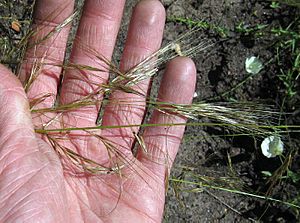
(47, 46)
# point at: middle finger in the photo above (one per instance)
(144, 38)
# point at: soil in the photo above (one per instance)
(205, 150)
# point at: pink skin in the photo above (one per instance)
(33, 185)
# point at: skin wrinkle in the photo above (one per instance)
(94, 212)
(7, 139)
(42, 121)
(141, 213)
(43, 24)
(121, 203)
(35, 212)
(17, 92)
(21, 188)
(12, 190)
(3, 160)
(122, 154)
(160, 154)
(12, 162)
(153, 181)
(156, 152)
(50, 156)
(53, 184)
(133, 59)
(44, 56)
(79, 194)
(19, 133)
(15, 180)
(55, 42)
(84, 118)
(78, 144)
(128, 111)
(96, 37)
(47, 52)
(48, 82)
(81, 90)
(101, 15)
(16, 216)
(20, 119)
(143, 86)
(105, 6)
(141, 42)
(46, 183)
(27, 202)
(107, 26)
(116, 195)
(5, 156)
(35, 215)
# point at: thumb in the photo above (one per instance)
(28, 180)
(15, 116)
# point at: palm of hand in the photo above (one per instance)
(35, 186)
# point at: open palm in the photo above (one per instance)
(35, 184)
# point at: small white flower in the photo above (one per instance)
(195, 95)
(253, 65)
(272, 146)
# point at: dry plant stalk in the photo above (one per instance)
(240, 117)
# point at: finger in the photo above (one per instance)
(42, 50)
(97, 33)
(162, 143)
(144, 38)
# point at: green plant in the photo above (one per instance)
(275, 5)
(290, 76)
(288, 2)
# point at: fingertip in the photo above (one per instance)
(150, 12)
(183, 68)
(146, 25)
(178, 83)
(53, 11)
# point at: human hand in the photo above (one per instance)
(36, 185)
